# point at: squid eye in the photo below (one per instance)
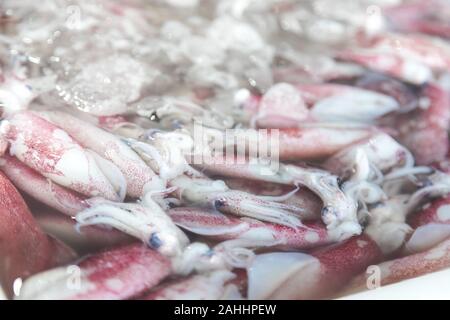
(171, 205)
(154, 242)
(328, 214)
(219, 203)
(426, 183)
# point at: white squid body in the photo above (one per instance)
(53, 153)
(357, 105)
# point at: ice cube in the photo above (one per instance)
(104, 87)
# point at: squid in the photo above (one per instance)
(413, 58)
(428, 17)
(49, 150)
(246, 232)
(24, 247)
(288, 106)
(338, 211)
(403, 268)
(324, 271)
(166, 157)
(118, 273)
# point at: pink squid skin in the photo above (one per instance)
(44, 146)
(310, 203)
(84, 240)
(111, 122)
(312, 234)
(137, 267)
(432, 260)
(392, 54)
(429, 17)
(416, 132)
(382, 62)
(120, 273)
(107, 145)
(273, 111)
(42, 189)
(340, 262)
(314, 143)
(281, 106)
(24, 248)
(430, 213)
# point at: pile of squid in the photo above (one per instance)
(107, 192)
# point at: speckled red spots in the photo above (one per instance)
(40, 188)
(424, 132)
(42, 148)
(342, 261)
(123, 272)
(416, 265)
